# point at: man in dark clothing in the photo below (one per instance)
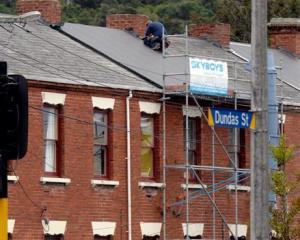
(154, 34)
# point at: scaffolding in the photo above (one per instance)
(182, 89)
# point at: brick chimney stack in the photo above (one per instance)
(128, 21)
(50, 9)
(285, 33)
(215, 32)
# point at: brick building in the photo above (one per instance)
(94, 108)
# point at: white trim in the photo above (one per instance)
(45, 180)
(241, 229)
(54, 227)
(150, 184)
(231, 187)
(195, 229)
(191, 111)
(104, 229)
(12, 178)
(11, 225)
(96, 182)
(149, 107)
(150, 228)
(193, 186)
(53, 98)
(103, 103)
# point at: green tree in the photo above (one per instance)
(283, 214)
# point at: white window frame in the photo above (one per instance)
(103, 168)
(50, 165)
(150, 147)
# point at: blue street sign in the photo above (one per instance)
(227, 118)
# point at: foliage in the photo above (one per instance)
(284, 213)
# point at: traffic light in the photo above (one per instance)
(13, 116)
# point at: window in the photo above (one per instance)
(147, 146)
(103, 237)
(239, 149)
(191, 141)
(100, 144)
(192, 144)
(50, 119)
(54, 237)
(151, 238)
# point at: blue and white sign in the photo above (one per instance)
(231, 118)
(208, 77)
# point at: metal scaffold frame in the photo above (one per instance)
(187, 167)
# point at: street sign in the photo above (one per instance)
(229, 118)
(208, 77)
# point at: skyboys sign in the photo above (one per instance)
(208, 77)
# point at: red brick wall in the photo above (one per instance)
(216, 32)
(126, 21)
(79, 203)
(50, 9)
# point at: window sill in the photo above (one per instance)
(193, 186)
(111, 183)
(231, 187)
(150, 185)
(12, 178)
(45, 180)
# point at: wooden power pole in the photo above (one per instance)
(259, 139)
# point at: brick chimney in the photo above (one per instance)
(50, 9)
(285, 34)
(215, 32)
(128, 21)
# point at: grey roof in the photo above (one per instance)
(128, 50)
(41, 53)
(288, 66)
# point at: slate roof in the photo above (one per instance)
(288, 69)
(128, 50)
(41, 53)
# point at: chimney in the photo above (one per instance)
(285, 34)
(50, 9)
(215, 32)
(134, 22)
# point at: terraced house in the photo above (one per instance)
(117, 149)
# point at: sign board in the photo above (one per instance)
(208, 77)
(227, 118)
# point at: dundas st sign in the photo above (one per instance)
(228, 118)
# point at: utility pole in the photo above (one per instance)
(259, 137)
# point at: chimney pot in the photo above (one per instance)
(50, 9)
(216, 32)
(285, 34)
(128, 21)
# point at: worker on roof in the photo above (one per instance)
(153, 35)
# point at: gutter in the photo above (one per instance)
(128, 164)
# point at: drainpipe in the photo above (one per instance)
(128, 164)
(273, 117)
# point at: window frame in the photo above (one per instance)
(58, 141)
(197, 144)
(53, 237)
(154, 148)
(108, 155)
